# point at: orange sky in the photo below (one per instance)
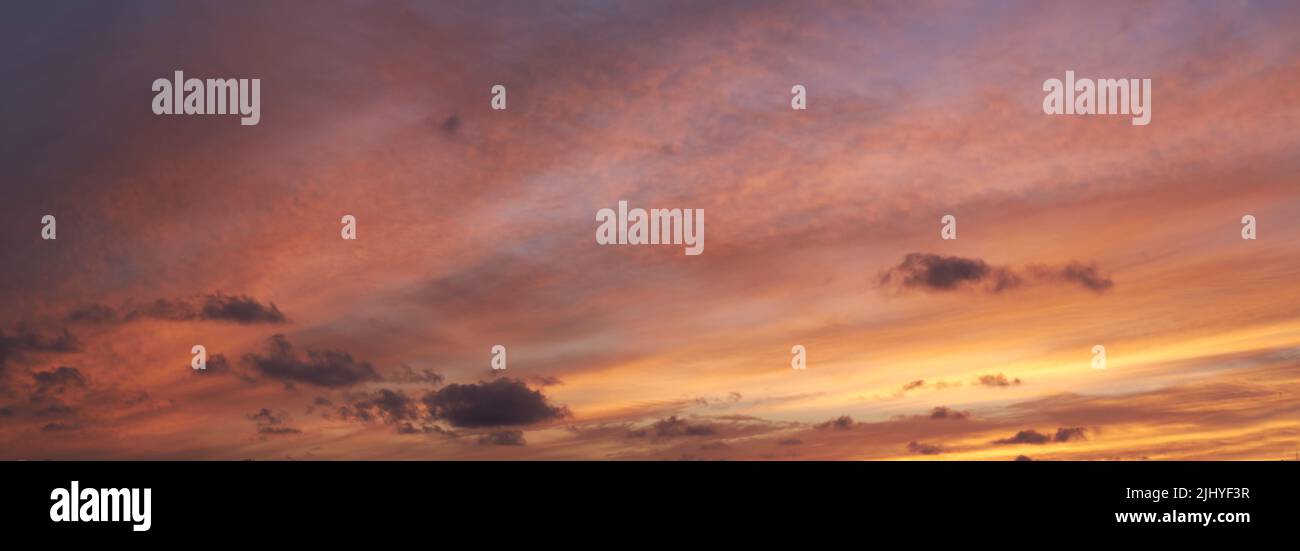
(475, 228)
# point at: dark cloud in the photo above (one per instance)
(790, 442)
(407, 374)
(499, 402)
(165, 309)
(59, 427)
(216, 363)
(265, 416)
(997, 380)
(944, 273)
(328, 368)
(1066, 434)
(1063, 434)
(673, 427)
(1023, 458)
(54, 388)
(921, 383)
(843, 422)
(387, 406)
(271, 423)
(219, 364)
(1026, 437)
(239, 309)
(391, 407)
(23, 341)
(938, 413)
(918, 448)
(944, 412)
(932, 272)
(57, 381)
(450, 125)
(93, 313)
(502, 438)
(1074, 272)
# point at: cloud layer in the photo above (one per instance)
(475, 229)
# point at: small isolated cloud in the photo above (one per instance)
(500, 402)
(843, 422)
(450, 125)
(944, 412)
(998, 380)
(1070, 434)
(932, 272)
(944, 273)
(938, 413)
(327, 368)
(673, 427)
(271, 423)
(265, 416)
(1064, 434)
(1074, 272)
(1026, 437)
(922, 383)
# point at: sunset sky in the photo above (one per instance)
(476, 227)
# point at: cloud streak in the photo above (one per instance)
(936, 273)
(326, 368)
(212, 307)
